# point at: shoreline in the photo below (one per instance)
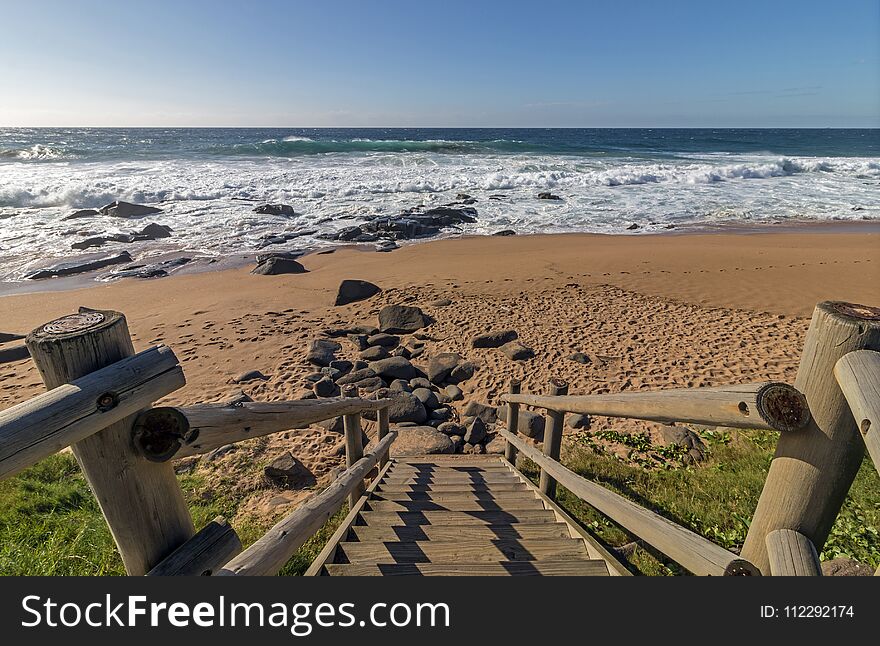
(243, 259)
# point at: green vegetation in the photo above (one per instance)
(715, 499)
(51, 525)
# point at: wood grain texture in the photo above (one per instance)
(464, 518)
(354, 448)
(421, 533)
(212, 547)
(141, 500)
(767, 406)
(269, 554)
(813, 469)
(454, 505)
(792, 554)
(457, 551)
(504, 568)
(553, 437)
(47, 423)
(858, 375)
(512, 420)
(692, 551)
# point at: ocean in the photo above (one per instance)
(208, 181)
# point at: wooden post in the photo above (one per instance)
(141, 500)
(383, 431)
(553, 437)
(512, 421)
(354, 445)
(813, 469)
(211, 548)
(858, 375)
(792, 554)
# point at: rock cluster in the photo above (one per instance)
(152, 231)
(407, 225)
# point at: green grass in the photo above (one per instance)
(715, 499)
(50, 524)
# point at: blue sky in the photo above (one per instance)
(431, 63)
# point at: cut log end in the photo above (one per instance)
(852, 310)
(782, 407)
(159, 432)
(85, 321)
(741, 567)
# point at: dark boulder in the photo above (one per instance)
(505, 232)
(488, 414)
(275, 209)
(476, 432)
(427, 397)
(462, 372)
(286, 471)
(351, 291)
(82, 213)
(494, 339)
(402, 319)
(250, 375)
(80, 266)
(421, 440)
(385, 340)
(276, 265)
(120, 209)
(548, 196)
(356, 376)
(374, 353)
(441, 366)
(516, 351)
(322, 352)
(394, 368)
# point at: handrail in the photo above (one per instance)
(792, 554)
(269, 554)
(858, 374)
(692, 551)
(47, 423)
(175, 433)
(212, 546)
(767, 406)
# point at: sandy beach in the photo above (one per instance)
(650, 312)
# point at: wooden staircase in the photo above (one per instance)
(459, 516)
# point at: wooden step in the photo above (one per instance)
(555, 549)
(446, 460)
(530, 531)
(420, 518)
(501, 497)
(454, 505)
(457, 479)
(448, 488)
(503, 568)
(435, 468)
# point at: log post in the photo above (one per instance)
(141, 500)
(814, 468)
(858, 375)
(354, 445)
(210, 549)
(792, 554)
(382, 416)
(553, 437)
(512, 421)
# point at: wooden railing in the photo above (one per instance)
(99, 405)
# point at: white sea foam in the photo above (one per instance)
(208, 202)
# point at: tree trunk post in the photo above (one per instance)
(814, 468)
(354, 445)
(553, 437)
(512, 422)
(140, 499)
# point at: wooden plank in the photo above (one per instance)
(269, 554)
(513, 486)
(512, 420)
(813, 469)
(767, 406)
(212, 547)
(692, 551)
(595, 548)
(328, 552)
(141, 500)
(73, 411)
(383, 428)
(449, 459)
(462, 505)
(501, 497)
(387, 518)
(214, 425)
(452, 478)
(858, 374)
(505, 568)
(792, 554)
(457, 551)
(354, 448)
(452, 468)
(418, 533)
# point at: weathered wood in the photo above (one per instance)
(502, 568)
(792, 554)
(47, 423)
(455, 505)
(465, 533)
(512, 420)
(141, 500)
(858, 375)
(501, 497)
(269, 554)
(384, 426)
(553, 437)
(354, 448)
(514, 486)
(692, 551)
(813, 469)
(768, 406)
(551, 549)
(328, 552)
(442, 517)
(210, 426)
(212, 547)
